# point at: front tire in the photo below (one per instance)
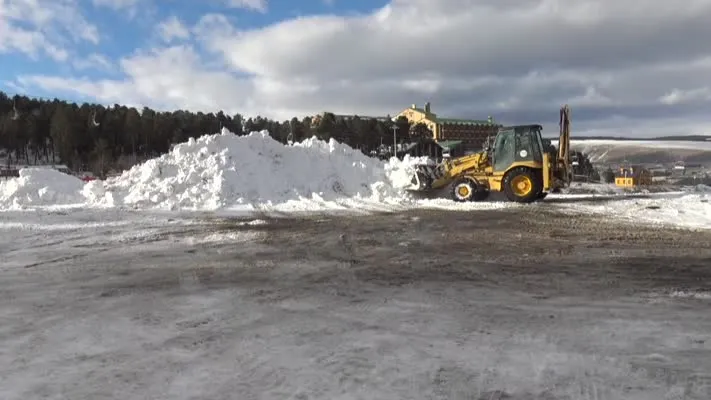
(523, 185)
(464, 189)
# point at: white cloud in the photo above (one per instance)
(517, 60)
(116, 4)
(33, 27)
(28, 42)
(170, 78)
(92, 61)
(255, 5)
(678, 96)
(131, 8)
(171, 29)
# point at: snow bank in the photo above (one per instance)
(686, 210)
(690, 211)
(247, 172)
(701, 188)
(593, 188)
(229, 172)
(400, 172)
(40, 187)
(610, 189)
(254, 172)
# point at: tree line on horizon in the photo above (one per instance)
(99, 139)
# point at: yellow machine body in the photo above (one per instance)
(523, 168)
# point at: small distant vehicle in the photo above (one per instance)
(86, 176)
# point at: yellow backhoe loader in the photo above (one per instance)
(518, 164)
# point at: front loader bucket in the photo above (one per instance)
(422, 178)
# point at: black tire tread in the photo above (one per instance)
(535, 177)
(460, 180)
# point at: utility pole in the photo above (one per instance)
(394, 140)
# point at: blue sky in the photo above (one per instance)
(127, 25)
(518, 60)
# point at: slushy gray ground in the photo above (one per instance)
(502, 304)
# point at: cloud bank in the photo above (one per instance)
(626, 67)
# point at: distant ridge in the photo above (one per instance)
(686, 138)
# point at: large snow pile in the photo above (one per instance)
(254, 172)
(229, 171)
(40, 187)
(400, 172)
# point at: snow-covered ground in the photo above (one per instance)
(683, 210)
(229, 174)
(112, 303)
(137, 287)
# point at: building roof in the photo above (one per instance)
(526, 126)
(457, 121)
(454, 121)
(367, 117)
(449, 144)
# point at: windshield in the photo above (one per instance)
(539, 140)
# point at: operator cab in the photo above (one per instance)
(517, 143)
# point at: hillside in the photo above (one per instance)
(688, 138)
(643, 151)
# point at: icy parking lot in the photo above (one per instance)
(423, 304)
(240, 268)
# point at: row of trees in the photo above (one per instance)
(100, 139)
(97, 138)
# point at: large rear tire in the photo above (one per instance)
(523, 185)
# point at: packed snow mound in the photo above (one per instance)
(225, 170)
(593, 188)
(680, 209)
(40, 187)
(400, 172)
